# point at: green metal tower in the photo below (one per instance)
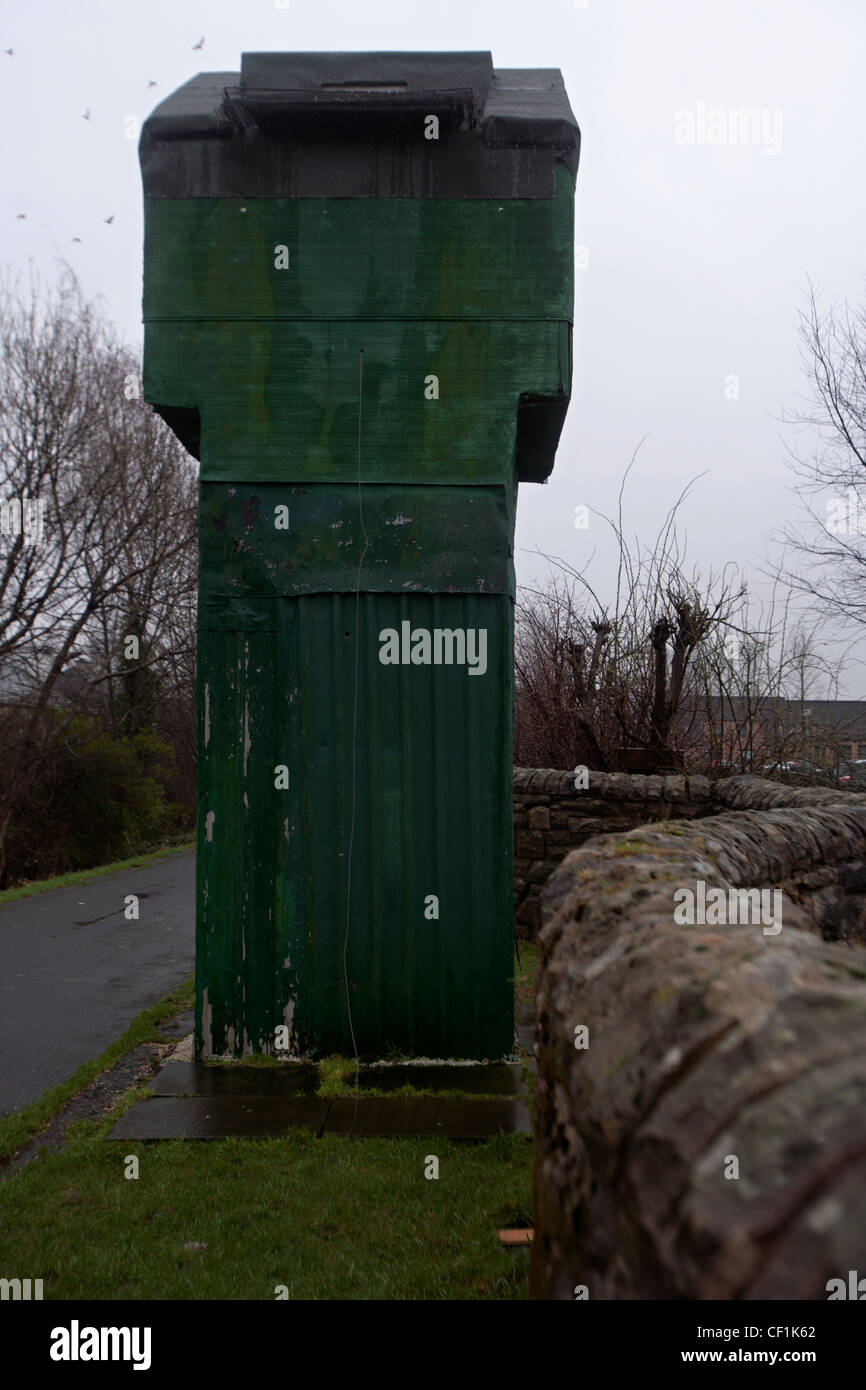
(358, 296)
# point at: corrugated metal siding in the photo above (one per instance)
(432, 816)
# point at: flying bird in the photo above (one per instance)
(109, 220)
(76, 238)
(10, 51)
(86, 116)
(200, 44)
(152, 84)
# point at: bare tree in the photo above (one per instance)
(759, 680)
(824, 557)
(595, 679)
(115, 499)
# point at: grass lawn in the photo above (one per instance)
(327, 1218)
(330, 1218)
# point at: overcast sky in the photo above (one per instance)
(695, 255)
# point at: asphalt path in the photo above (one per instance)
(74, 972)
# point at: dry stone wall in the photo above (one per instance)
(705, 1138)
(551, 817)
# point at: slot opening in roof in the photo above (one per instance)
(364, 86)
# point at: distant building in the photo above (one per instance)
(760, 730)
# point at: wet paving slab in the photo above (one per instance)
(234, 1116)
(198, 1079)
(370, 1117)
(493, 1079)
(219, 1117)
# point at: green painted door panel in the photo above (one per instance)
(430, 817)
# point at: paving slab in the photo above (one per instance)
(219, 1117)
(197, 1079)
(494, 1079)
(229, 1116)
(526, 1037)
(373, 1117)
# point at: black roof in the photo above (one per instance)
(351, 125)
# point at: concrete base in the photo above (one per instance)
(194, 1101)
